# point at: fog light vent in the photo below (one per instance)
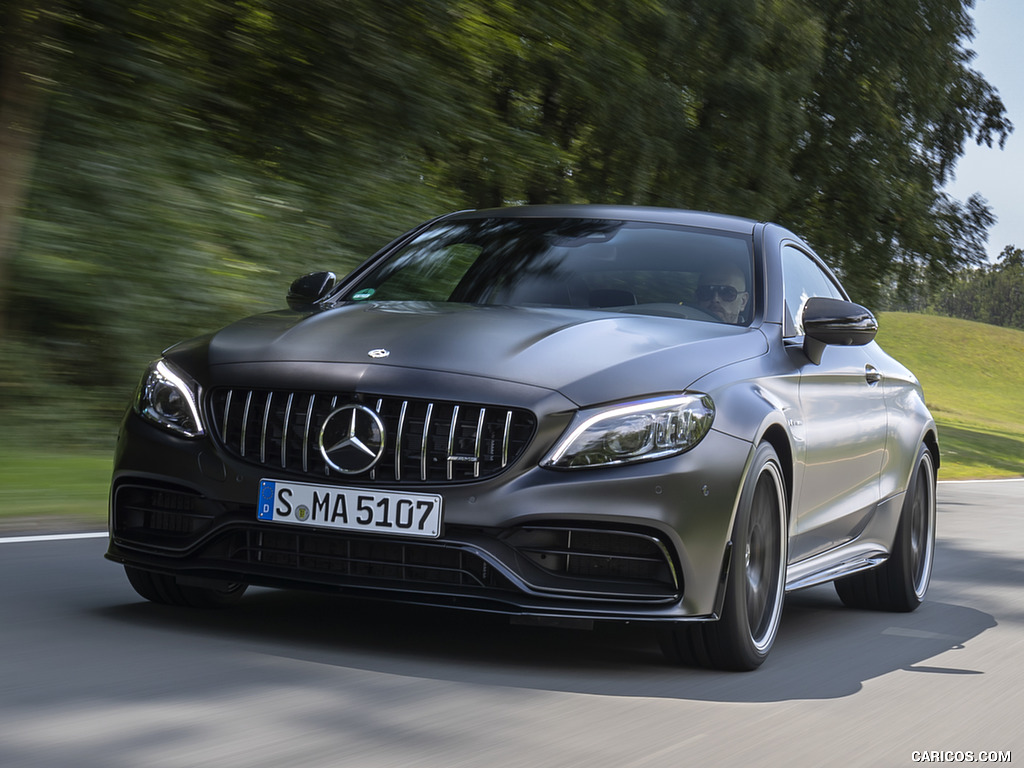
(598, 554)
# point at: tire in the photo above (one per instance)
(900, 583)
(756, 582)
(164, 589)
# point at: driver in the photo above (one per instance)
(722, 293)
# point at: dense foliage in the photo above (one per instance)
(990, 294)
(169, 166)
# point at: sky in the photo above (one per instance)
(998, 175)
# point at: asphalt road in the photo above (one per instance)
(91, 675)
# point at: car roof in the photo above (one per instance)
(701, 219)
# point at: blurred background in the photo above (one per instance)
(168, 167)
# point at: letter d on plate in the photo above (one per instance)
(266, 510)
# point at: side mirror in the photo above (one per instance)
(309, 290)
(835, 322)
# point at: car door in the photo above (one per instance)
(843, 423)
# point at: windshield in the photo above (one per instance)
(622, 266)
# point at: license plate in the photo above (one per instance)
(350, 509)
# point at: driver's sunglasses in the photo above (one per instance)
(725, 292)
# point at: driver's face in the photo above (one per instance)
(723, 296)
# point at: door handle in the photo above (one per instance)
(872, 374)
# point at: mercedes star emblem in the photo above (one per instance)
(377, 354)
(352, 439)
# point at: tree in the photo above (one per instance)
(666, 102)
(993, 295)
(23, 74)
(890, 110)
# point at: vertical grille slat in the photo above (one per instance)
(476, 442)
(334, 404)
(305, 434)
(284, 430)
(377, 408)
(263, 429)
(451, 442)
(424, 444)
(506, 436)
(227, 415)
(398, 440)
(245, 421)
(425, 441)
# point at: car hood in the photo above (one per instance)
(589, 356)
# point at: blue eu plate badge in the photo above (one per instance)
(266, 511)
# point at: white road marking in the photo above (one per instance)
(53, 537)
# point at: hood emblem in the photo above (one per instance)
(378, 354)
(352, 439)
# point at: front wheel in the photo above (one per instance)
(165, 589)
(900, 583)
(756, 583)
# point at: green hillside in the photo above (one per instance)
(973, 379)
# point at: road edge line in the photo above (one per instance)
(53, 537)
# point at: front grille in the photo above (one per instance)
(425, 441)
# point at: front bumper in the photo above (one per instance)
(644, 542)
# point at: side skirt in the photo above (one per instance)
(870, 548)
(834, 564)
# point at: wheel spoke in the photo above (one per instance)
(917, 530)
(760, 550)
(921, 527)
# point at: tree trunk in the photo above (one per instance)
(21, 101)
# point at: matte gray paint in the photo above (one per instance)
(552, 361)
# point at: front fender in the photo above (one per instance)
(910, 424)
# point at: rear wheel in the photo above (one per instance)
(900, 583)
(756, 584)
(161, 588)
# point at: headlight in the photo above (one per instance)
(637, 431)
(168, 398)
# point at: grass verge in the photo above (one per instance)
(44, 490)
(973, 380)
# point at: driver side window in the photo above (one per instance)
(802, 279)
